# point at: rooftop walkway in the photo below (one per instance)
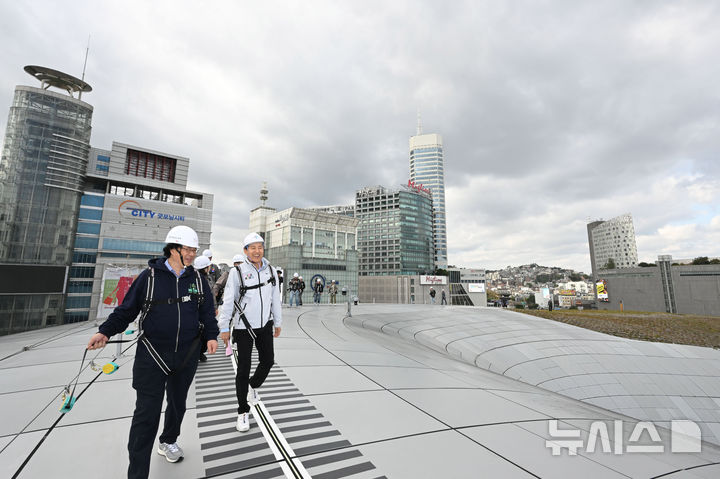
(394, 391)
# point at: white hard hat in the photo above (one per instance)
(252, 238)
(319, 280)
(295, 275)
(183, 235)
(201, 262)
(300, 277)
(238, 258)
(207, 253)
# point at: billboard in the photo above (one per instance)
(431, 279)
(476, 287)
(115, 284)
(32, 279)
(602, 291)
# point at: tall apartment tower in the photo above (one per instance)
(42, 168)
(427, 170)
(612, 239)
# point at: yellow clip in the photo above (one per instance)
(110, 368)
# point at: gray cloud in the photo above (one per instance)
(551, 112)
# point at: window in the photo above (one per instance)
(132, 245)
(88, 214)
(82, 271)
(148, 165)
(86, 242)
(92, 200)
(89, 228)
(80, 287)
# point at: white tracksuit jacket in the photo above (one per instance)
(260, 304)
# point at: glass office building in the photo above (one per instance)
(395, 235)
(314, 244)
(427, 170)
(44, 158)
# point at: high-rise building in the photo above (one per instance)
(427, 170)
(44, 158)
(131, 198)
(78, 223)
(612, 243)
(395, 234)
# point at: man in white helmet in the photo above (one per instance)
(294, 288)
(301, 288)
(177, 314)
(214, 271)
(252, 306)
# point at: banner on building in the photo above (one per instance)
(116, 282)
(431, 279)
(602, 292)
(567, 292)
(476, 287)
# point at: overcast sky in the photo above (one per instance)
(552, 112)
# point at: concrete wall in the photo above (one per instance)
(697, 289)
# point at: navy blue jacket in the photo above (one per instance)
(166, 325)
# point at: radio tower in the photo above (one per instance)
(263, 193)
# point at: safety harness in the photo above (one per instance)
(196, 294)
(244, 289)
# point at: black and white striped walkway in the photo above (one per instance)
(315, 445)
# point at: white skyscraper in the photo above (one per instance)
(427, 170)
(614, 240)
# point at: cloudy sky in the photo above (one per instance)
(553, 113)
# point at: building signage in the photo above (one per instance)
(602, 292)
(567, 292)
(476, 287)
(429, 279)
(418, 187)
(115, 285)
(132, 208)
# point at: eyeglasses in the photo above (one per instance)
(189, 250)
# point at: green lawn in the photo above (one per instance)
(659, 327)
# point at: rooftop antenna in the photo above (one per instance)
(264, 193)
(87, 50)
(419, 123)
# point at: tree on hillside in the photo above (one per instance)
(575, 277)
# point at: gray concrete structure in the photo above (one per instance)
(401, 289)
(682, 289)
(394, 391)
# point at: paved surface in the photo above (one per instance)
(349, 397)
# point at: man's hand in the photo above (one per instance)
(277, 331)
(97, 341)
(225, 337)
(212, 346)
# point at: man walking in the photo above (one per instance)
(301, 288)
(332, 291)
(432, 295)
(177, 315)
(252, 306)
(294, 287)
(443, 299)
(317, 291)
(214, 272)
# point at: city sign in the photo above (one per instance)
(432, 279)
(132, 208)
(476, 287)
(418, 187)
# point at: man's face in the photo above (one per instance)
(188, 254)
(255, 252)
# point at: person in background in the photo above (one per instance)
(219, 286)
(443, 299)
(317, 291)
(179, 318)
(332, 291)
(432, 295)
(214, 271)
(301, 288)
(294, 288)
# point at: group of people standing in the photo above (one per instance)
(182, 304)
(433, 293)
(296, 286)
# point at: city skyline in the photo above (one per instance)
(552, 115)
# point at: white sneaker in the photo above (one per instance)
(243, 422)
(172, 452)
(253, 397)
